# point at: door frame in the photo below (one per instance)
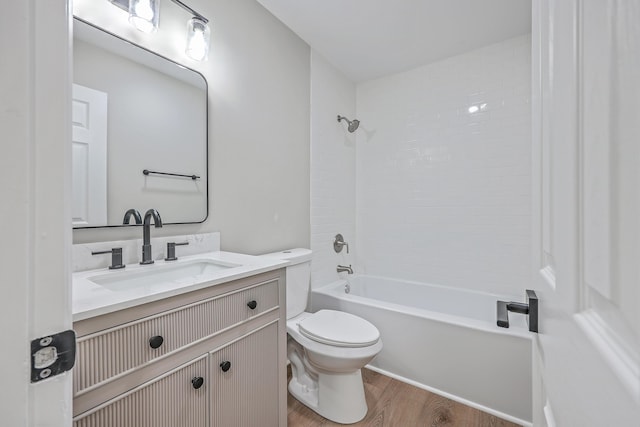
(35, 88)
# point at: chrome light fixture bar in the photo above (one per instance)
(145, 16)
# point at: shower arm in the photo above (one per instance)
(353, 124)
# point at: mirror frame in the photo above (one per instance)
(206, 83)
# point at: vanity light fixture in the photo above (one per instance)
(197, 39)
(144, 15)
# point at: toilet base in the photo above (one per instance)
(337, 397)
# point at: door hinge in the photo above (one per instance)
(52, 355)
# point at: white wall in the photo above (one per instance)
(443, 194)
(258, 76)
(333, 165)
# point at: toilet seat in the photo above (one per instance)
(326, 349)
(331, 358)
(339, 329)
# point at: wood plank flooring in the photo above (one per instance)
(395, 404)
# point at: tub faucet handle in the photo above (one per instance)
(339, 242)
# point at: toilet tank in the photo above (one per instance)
(298, 278)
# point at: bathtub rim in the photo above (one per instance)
(332, 290)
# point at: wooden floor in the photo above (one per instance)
(395, 404)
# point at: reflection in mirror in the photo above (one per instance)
(134, 110)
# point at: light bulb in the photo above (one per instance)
(197, 39)
(144, 14)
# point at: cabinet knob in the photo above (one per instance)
(197, 382)
(225, 366)
(252, 304)
(155, 342)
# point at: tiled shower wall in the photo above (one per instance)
(333, 169)
(443, 176)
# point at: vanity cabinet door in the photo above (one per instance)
(178, 398)
(244, 381)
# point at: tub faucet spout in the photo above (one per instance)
(342, 268)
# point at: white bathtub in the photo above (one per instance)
(444, 340)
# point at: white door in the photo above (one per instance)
(89, 157)
(586, 103)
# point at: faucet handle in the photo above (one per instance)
(171, 250)
(116, 257)
(339, 242)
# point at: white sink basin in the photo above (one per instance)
(160, 276)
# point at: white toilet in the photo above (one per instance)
(326, 349)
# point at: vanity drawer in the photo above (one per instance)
(105, 355)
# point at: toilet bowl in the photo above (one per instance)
(327, 349)
(326, 377)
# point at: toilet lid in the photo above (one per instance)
(339, 329)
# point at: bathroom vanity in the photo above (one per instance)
(207, 349)
(198, 341)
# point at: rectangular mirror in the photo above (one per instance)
(139, 133)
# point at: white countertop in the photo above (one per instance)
(91, 299)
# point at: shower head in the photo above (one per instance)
(353, 124)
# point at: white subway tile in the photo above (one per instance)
(443, 177)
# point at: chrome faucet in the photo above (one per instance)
(342, 268)
(146, 234)
(132, 213)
